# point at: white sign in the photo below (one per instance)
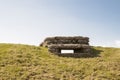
(67, 51)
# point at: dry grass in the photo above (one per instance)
(24, 62)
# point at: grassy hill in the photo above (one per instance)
(25, 62)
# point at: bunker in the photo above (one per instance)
(68, 46)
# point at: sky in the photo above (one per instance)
(31, 21)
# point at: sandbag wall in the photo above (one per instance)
(78, 43)
(65, 40)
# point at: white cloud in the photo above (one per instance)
(117, 43)
(114, 43)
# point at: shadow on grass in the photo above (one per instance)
(95, 52)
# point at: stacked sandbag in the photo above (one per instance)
(65, 40)
(69, 46)
(78, 43)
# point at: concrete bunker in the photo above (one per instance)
(73, 46)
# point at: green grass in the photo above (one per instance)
(25, 62)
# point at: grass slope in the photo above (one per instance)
(24, 62)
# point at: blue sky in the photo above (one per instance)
(30, 21)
